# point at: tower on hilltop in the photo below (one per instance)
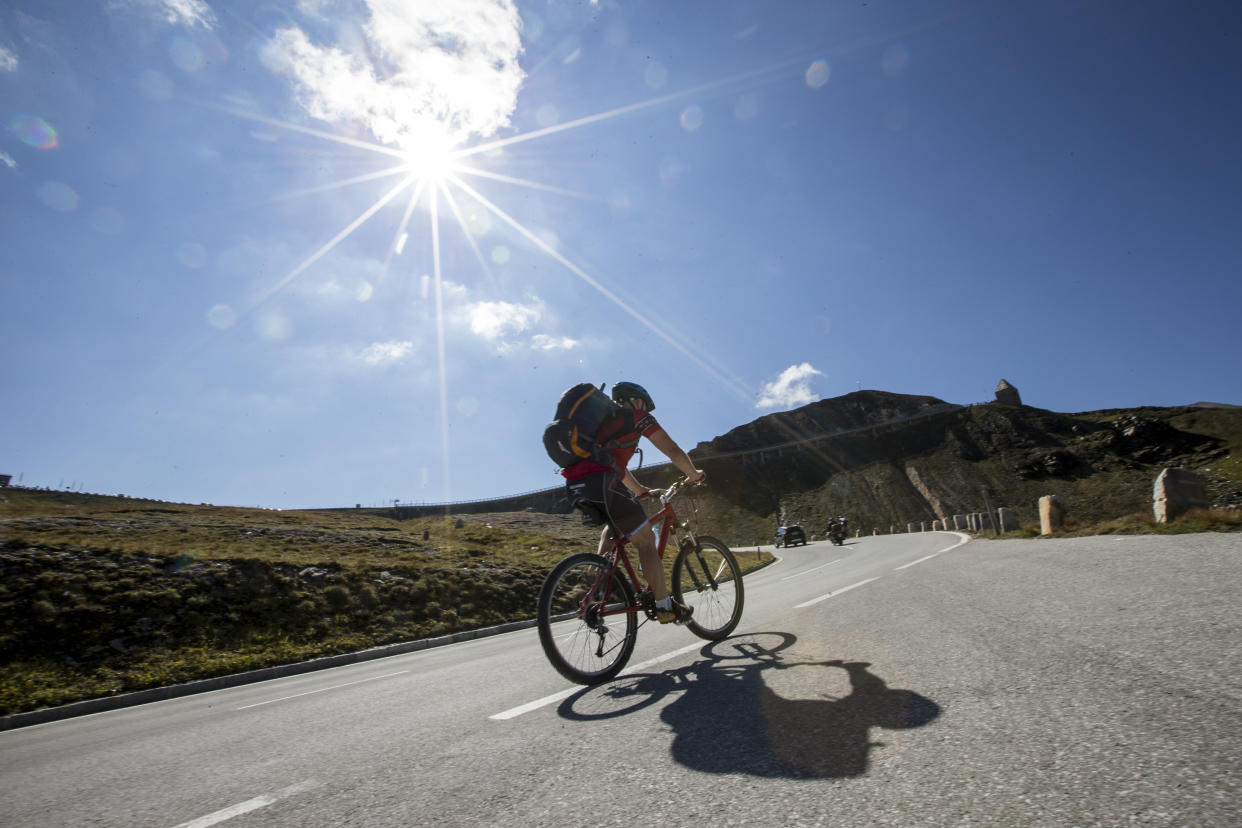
(1006, 394)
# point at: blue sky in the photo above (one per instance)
(241, 264)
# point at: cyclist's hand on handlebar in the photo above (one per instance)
(699, 476)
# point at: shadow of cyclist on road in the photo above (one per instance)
(726, 718)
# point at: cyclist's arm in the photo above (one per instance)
(681, 460)
(633, 485)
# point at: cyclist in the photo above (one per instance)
(614, 492)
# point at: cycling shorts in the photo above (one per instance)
(607, 495)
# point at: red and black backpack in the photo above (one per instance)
(573, 434)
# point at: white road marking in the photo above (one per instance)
(809, 571)
(323, 690)
(964, 539)
(249, 805)
(835, 593)
(514, 712)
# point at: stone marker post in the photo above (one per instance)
(1007, 519)
(1176, 492)
(1051, 514)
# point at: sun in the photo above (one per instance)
(430, 153)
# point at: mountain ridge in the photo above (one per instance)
(886, 459)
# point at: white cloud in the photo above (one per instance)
(7, 160)
(509, 326)
(8, 60)
(188, 13)
(543, 342)
(380, 353)
(426, 67)
(791, 388)
(499, 320)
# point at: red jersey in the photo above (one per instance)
(616, 429)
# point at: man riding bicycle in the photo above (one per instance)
(614, 491)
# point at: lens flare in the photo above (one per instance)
(817, 74)
(59, 196)
(691, 118)
(34, 131)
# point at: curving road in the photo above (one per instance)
(906, 680)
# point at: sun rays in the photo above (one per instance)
(431, 173)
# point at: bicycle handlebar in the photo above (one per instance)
(666, 495)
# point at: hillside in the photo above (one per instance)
(887, 459)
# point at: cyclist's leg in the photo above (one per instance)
(627, 514)
(609, 497)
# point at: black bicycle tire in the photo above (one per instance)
(680, 566)
(544, 621)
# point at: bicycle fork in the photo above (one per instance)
(693, 552)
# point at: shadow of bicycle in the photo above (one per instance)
(728, 719)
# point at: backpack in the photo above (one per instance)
(571, 436)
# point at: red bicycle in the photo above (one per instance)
(589, 606)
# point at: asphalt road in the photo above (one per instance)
(904, 680)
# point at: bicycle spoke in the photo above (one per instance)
(708, 579)
(597, 636)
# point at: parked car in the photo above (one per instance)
(790, 535)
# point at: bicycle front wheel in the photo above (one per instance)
(587, 619)
(708, 579)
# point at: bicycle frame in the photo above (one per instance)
(617, 556)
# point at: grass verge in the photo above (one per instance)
(101, 595)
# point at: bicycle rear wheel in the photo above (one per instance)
(584, 644)
(708, 579)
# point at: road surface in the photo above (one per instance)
(898, 680)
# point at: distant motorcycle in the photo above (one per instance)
(836, 530)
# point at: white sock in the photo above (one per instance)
(665, 603)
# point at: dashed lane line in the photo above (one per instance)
(322, 690)
(514, 712)
(249, 805)
(835, 593)
(809, 571)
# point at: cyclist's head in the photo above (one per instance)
(623, 392)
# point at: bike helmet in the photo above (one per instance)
(623, 391)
